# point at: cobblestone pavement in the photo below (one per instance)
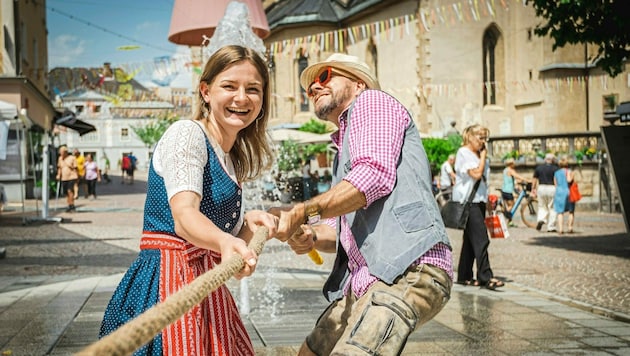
(587, 270)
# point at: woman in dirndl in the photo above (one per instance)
(193, 214)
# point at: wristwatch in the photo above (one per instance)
(312, 213)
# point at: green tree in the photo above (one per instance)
(151, 133)
(603, 23)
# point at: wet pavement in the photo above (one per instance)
(565, 294)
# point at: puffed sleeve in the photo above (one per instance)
(180, 157)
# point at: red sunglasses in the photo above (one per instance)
(323, 78)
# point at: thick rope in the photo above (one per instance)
(139, 331)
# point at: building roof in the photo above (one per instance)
(299, 12)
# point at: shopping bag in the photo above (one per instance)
(497, 226)
(574, 192)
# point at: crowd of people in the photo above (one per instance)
(467, 173)
(551, 185)
(78, 174)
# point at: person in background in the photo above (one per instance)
(510, 176)
(471, 166)
(125, 167)
(194, 217)
(393, 270)
(562, 178)
(81, 171)
(447, 177)
(133, 165)
(306, 178)
(67, 175)
(544, 189)
(92, 175)
(105, 169)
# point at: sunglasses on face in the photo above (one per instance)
(323, 78)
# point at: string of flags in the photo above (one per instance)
(393, 28)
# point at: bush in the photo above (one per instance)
(437, 150)
(314, 126)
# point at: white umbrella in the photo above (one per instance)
(280, 135)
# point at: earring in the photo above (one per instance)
(260, 116)
(205, 110)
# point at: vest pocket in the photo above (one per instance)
(412, 217)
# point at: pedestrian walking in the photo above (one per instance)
(393, 268)
(562, 178)
(67, 174)
(105, 170)
(508, 189)
(472, 169)
(80, 184)
(92, 175)
(544, 189)
(447, 177)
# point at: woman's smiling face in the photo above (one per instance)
(235, 96)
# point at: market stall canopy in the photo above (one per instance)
(280, 135)
(68, 119)
(8, 111)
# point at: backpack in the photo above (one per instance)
(126, 163)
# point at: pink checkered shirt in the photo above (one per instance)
(378, 127)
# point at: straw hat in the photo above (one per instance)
(342, 62)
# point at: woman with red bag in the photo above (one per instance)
(562, 179)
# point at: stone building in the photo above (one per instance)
(24, 103)
(445, 60)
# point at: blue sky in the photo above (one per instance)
(88, 33)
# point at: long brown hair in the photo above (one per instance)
(251, 154)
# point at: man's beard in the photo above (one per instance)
(336, 99)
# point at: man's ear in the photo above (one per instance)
(361, 86)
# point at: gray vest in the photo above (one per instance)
(397, 229)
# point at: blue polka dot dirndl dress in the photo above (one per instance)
(167, 262)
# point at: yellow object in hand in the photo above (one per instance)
(316, 257)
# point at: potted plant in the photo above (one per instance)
(314, 126)
(38, 189)
(319, 151)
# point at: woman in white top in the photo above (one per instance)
(471, 166)
(193, 215)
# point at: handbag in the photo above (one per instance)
(455, 214)
(574, 192)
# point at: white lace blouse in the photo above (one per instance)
(180, 157)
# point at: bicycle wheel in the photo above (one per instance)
(528, 212)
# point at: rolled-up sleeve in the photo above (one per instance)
(376, 131)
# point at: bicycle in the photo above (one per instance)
(442, 195)
(528, 210)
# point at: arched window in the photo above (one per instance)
(492, 64)
(302, 64)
